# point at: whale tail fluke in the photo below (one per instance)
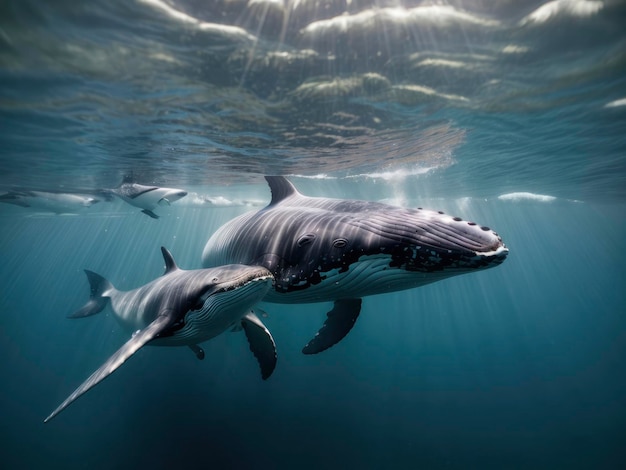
(100, 289)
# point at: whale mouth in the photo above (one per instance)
(496, 256)
(241, 284)
(266, 278)
(246, 276)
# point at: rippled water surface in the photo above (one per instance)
(509, 113)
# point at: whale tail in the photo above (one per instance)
(100, 290)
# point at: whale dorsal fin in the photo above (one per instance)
(170, 264)
(281, 188)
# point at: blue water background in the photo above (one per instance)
(520, 366)
(515, 367)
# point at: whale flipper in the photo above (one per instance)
(197, 350)
(261, 343)
(150, 213)
(138, 340)
(340, 321)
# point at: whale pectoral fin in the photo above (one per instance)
(138, 340)
(150, 213)
(340, 321)
(197, 350)
(261, 343)
(164, 202)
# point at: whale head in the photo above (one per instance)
(378, 248)
(211, 300)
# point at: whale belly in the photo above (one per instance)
(369, 276)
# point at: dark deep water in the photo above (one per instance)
(512, 114)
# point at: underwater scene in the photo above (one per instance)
(313, 234)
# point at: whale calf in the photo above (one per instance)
(182, 308)
(146, 198)
(321, 249)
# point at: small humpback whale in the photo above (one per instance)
(322, 249)
(146, 198)
(182, 308)
(49, 201)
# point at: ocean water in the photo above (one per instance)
(512, 114)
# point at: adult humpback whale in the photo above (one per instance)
(322, 249)
(182, 308)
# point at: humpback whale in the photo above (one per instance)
(49, 201)
(321, 249)
(182, 308)
(146, 198)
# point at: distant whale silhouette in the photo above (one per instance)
(182, 308)
(146, 198)
(322, 249)
(49, 201)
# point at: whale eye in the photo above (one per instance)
(306, 239)
(340, 242)
(215, 279)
